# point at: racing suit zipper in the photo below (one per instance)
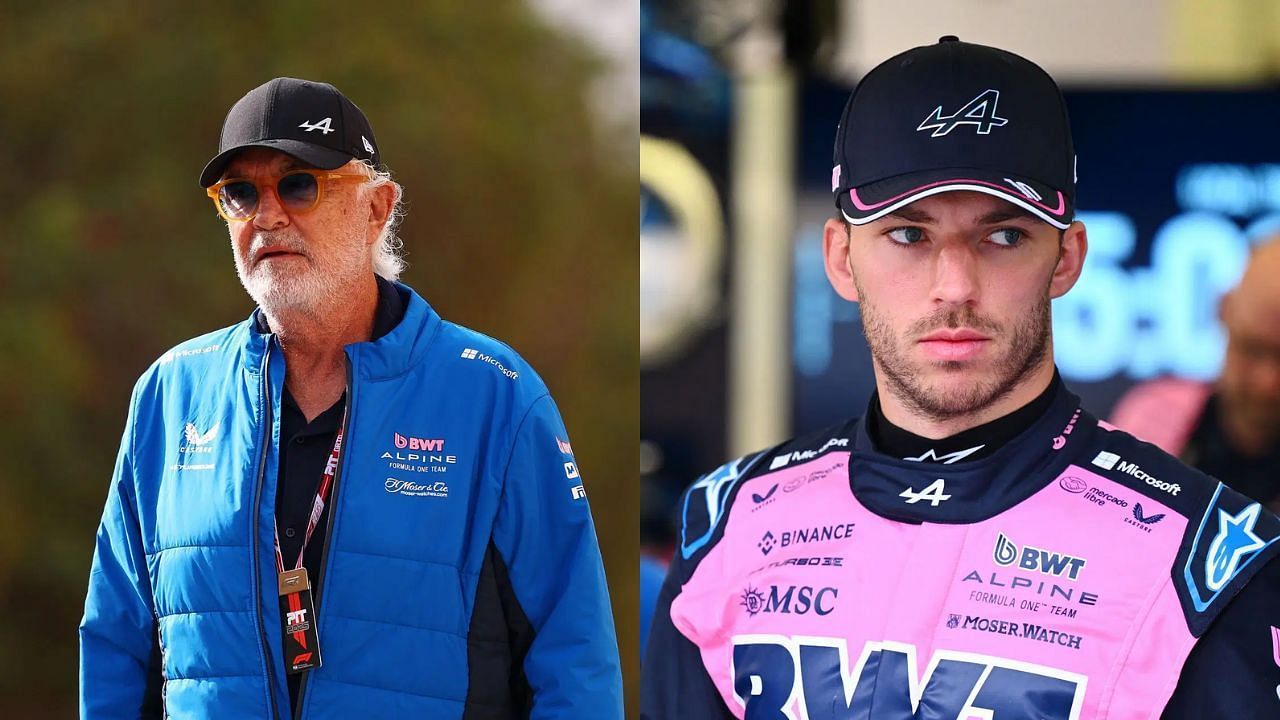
(257, 502)
(328, 532)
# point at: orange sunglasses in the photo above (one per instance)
(299, 191)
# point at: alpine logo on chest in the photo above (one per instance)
(810, 678)
(418, 455)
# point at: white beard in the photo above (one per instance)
(307, 285)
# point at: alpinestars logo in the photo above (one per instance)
(1235, 540)
(980, 112)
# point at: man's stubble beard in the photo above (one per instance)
(311, 291)
(1028, 345)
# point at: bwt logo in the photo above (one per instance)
(807, 679)
(1044, 562)
(416, 443)
(795, 600)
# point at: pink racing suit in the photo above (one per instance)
(1071, 575)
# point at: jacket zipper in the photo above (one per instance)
(257, 504)
(328, 532)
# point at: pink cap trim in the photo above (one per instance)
(857, 203)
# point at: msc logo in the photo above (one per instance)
(810, 678)
(794, 600)
(1044, 562)
(414, 443)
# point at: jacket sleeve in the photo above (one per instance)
(1234, 669)
(547, 541)
(674, 684)
(119, 646)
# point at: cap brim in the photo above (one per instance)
(870, 202)
(314, 155)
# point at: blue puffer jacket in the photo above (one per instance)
(462, 577)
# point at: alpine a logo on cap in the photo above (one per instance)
(954, 116)
(324, 126)
(979, 112)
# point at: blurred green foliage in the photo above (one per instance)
(521, 223)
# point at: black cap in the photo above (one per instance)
(311, 121)
(955, 116)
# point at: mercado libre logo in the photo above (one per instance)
(1073, 484)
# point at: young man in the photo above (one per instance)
(344, 506)
(976, 545)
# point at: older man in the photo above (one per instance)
(1231, 430)
(343, 506)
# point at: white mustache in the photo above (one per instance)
(286, 241)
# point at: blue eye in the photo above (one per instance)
(906, 235)
(1007, 237)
